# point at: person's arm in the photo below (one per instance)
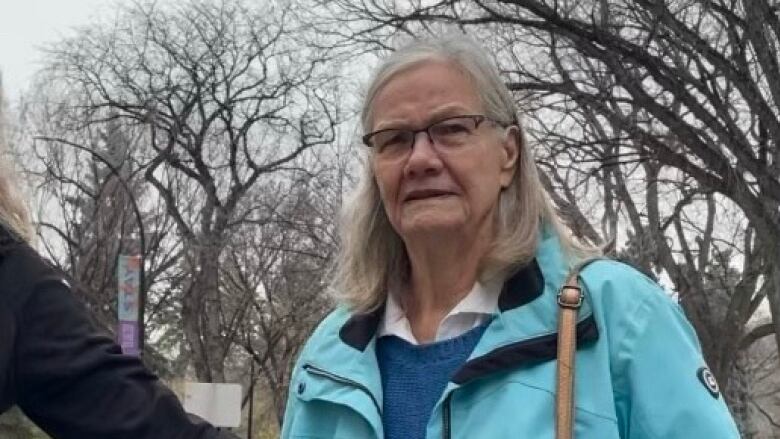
(662, 384)
(74, 382)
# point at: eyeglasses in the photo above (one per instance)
(451, 132)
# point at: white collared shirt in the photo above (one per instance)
(477, 307)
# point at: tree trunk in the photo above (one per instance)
(201, 313)
(738, 394)
(773, 295)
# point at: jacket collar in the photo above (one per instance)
(521, 288)
(527, 351)
(358, 331)
(523, 332)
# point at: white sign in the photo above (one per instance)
(219, 404)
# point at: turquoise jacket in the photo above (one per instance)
(639, 368)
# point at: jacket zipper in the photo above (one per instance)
(446, 416)
(343, 380)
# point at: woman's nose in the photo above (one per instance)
(423, 158)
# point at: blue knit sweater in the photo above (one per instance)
(414, 377)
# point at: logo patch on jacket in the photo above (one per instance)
(708, 379)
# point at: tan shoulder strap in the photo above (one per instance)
(569, 302)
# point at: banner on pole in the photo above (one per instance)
(128, 338)
(128, 274)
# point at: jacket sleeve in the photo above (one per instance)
(75, 383)
(663, 389)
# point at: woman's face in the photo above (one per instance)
(431, 188)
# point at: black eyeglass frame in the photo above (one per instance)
(478, 119)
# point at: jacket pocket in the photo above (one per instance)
(331, 407)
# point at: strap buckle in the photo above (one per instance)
(570, 300)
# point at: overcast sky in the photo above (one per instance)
(27, 24)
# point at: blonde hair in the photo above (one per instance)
(371, 251)
(14, 216)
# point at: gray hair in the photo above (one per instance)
(372, 254)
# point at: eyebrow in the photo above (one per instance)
(438, 114)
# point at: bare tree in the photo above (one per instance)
(228, 101)
(761, 375)
(92, 207)
(295, 249)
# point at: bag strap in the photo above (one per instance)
(569, 301)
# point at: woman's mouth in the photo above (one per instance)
(424, 194)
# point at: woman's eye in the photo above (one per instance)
(452, 128)
(392, 140)
(395, 139)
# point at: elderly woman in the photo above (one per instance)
(451, 263)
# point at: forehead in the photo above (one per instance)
(425, 91)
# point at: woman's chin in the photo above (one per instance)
(431, 225)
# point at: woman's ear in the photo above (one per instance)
(510, 147)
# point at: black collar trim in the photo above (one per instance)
(360, 329)
(523, 287)
(538, 349)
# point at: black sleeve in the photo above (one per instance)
(75, 383)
